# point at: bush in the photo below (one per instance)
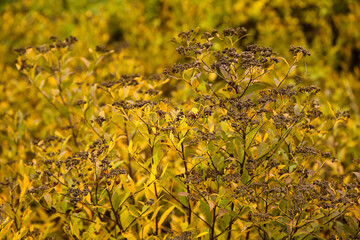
(234, 152)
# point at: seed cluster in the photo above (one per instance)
(295, 50)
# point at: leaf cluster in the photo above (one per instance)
(234, 153)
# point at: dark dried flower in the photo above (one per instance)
(109, 84)
(309, 89)
(70, 40)
(53, 38)
(24, 65)
(232, 177)
(155, 77)
(194, 177)
(181, 50)
(266, 51)
(206, 36)
(343, 114)
(168, 129)
(152, 92)
(37, 189)
(314, 113)
(281, 121)
(294, 50)
(325, 154)
(212, 173)
(214, 32)
(285, 91)
(228, 32)
(43, 48)
(186, 35)
(262, 216)
(21, 51)
(33, 234)
(99, 120)
(149, 202)
(101, 49)
(243, 191)
(80, 102)
(239, 31)
(248, 60)
(307, 151)
(207, 45)
(60, 44)
(51, 138)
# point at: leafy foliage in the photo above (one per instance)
(227, 143)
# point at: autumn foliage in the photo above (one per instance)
(238, 155)
(119, 134)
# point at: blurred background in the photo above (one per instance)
(142, 31)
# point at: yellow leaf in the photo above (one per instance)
(156, 212)
(102, 114)
(194, 83)
(202, 234)
(271, 67)
(163, 106)
(331, 110)
(128, 235)
(281, 58)
(86, 208)
(171, 136)
(148, 193)
(48, 199)
(195, 110)
(130, 148)
(164, 170)
(5, 228)
(178, 146)
(24, 185)
(111, 146)
(128, 183)
(165, 214)
(212, 128)
(153, 129)
(98, 225)
(299, 55)
(74, 229)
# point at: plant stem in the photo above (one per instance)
(212, 230)
(114, 211)
(231, 222)
(187, 187)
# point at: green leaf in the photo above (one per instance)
(292, 167)
(205, 209)
(244, 211)
(125, 217)
(211, 147)
(245, 177)
(118, 197)
(283, 205)
(262, 149)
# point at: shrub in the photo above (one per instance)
(235, 152)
